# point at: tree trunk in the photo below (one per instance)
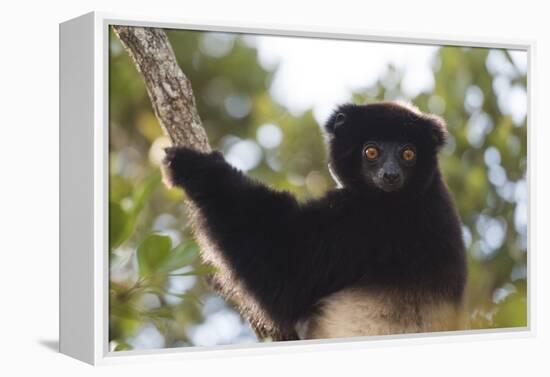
(174, 105)
(168, 88)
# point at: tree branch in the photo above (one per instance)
(168, 88)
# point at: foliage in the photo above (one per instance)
(158, 291)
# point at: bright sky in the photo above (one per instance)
(322, 73)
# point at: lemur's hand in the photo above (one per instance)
(180, 164)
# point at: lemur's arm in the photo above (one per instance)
(252, 225)
(230, 201)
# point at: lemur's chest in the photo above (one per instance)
(367, 311)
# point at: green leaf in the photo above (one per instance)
(123, 347)
(181, 256)
(512, 312)
(204, 269)
(152, 252)
(121, 222)
(162, 312)
(118, 220)
(187, 296)
(143, 192)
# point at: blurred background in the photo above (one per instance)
(263, 100)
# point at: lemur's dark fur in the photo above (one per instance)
(278, 258)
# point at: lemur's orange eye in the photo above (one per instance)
(371, 153)
(408, 154)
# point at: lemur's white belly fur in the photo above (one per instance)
(369, 311)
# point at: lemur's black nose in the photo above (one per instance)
(391, 178)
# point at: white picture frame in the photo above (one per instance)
(84, 124)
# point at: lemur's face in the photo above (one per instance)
(384, 147)
(387, 165)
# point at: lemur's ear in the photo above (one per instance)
(335, 122)
(438, 129)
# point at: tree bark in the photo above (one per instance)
(174, 105)
(168, 88)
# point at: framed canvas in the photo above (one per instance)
(247, 189)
